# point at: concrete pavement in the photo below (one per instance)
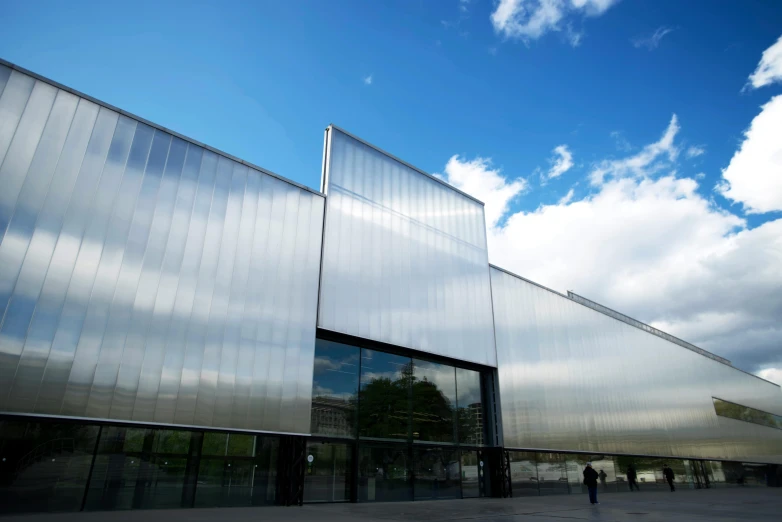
(721, 504)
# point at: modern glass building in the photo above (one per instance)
(179, 328)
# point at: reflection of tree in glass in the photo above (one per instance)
(171, 441)
(432, 412)
(746, 414)
(384, 405)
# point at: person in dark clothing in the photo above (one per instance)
(602, 475)
(590, 481)
(631, 477)
(668, 474)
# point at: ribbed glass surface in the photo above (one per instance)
(572, 378)
(145, 278)
(404, 258)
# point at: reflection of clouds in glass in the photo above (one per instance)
(368, 377)
(321, 364)
(324, 391)
(468, 387)
(380, 365)
(325, 363)
(318, 390)
(440, 375)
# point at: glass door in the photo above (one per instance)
(328, 473)
(384, 473)
(437, 473)
(472, 474)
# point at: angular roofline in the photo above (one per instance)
(403, 162)
(643, 326)
(156, 126)
(715, 358)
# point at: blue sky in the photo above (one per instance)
(491, 84)
(262, 81)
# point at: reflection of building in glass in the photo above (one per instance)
(331, 416)
(476, 416)
(179, 328)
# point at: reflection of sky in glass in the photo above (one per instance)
(381, 365)
(468, 387)
(438, 374)
(336, 370)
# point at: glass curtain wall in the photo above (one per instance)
(335, 389)
(472, 474)
(138, 468)
(523, 473)
(44, 466)
(552, 474)
(237, 470)
(67, 466)
(543, 473)
(418, 424)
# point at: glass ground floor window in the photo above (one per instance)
(59, 466)
(545, 473)
(69, 466)
(44, 466)
(399, 472)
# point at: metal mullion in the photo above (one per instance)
(92, 467)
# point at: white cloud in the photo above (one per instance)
(531, 19)
(754, 175)
(700, 175)
(772, 374)
(648, 244)
(368, 80)
(567, 198)
(653, 41)
(573, 36)
(650, 160)
(561, 163)
(769, 69)
(478, 178)
(695, 151)
(621, 142)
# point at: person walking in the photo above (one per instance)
(631, 477)
(668, 474)
(590, 481)
(602, 476)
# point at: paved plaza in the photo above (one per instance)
(704, 505)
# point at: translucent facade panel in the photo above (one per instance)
(145, 278)
(572, 378)
(404, 258)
